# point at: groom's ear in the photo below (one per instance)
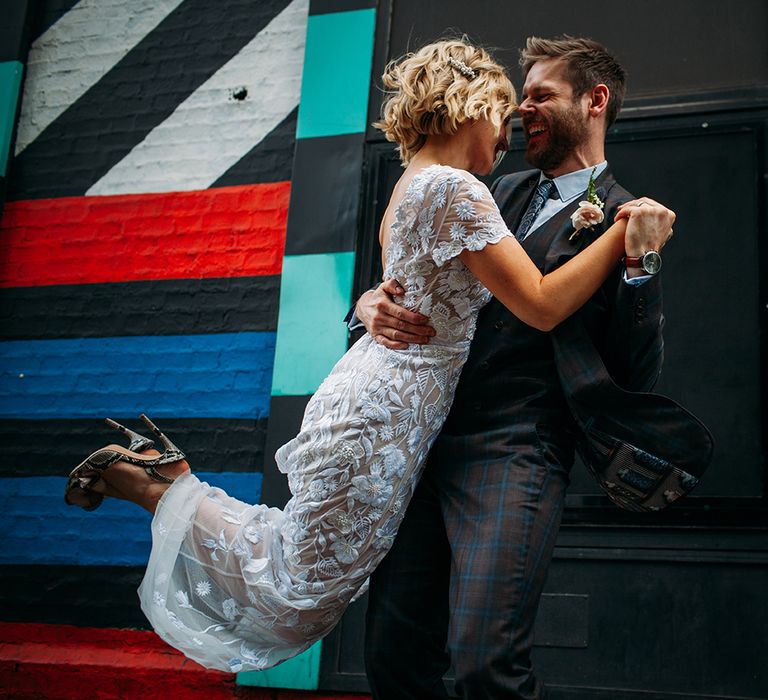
(598, 100)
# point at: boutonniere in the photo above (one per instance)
(590, 211)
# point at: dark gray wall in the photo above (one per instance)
(669, 47)
(673, 605)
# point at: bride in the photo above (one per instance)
(236, 586)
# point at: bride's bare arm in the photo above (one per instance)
(543, 301)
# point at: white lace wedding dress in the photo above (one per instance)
(241, 587)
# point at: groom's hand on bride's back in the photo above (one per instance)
(390, 324)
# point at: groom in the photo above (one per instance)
(463, 580)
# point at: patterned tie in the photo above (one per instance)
(546, 190)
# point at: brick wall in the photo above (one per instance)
(141, 250)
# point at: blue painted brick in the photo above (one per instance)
(41, 529)
(224, 375)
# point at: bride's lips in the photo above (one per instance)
(501, 145)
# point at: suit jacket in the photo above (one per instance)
(643, 449)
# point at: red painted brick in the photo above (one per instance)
(58, 662)
(220, 232)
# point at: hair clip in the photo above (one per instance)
(462, 67)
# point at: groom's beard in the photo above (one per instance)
(565, 131)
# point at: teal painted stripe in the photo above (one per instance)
(10, 83)
(311, 335)
(337, 73)
(299, 673)
(39, 528)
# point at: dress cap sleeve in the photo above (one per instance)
(472, 220)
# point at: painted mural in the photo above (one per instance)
(142, 244)
(165, 197)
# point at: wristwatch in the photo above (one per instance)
(649, 262)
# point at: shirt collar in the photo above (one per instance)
(571, 185)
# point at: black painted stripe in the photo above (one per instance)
(323, 213)
(47, 13)
(323, 7)
(14, 30)
(270, 160)
(162, 307)
(286, 413)
(141, 91)
(54, 447)
(86, 596)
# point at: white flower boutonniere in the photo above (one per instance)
(590, 211)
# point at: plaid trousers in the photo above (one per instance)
(497, 498)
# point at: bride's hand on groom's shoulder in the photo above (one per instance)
(389, 323)
(649, 225)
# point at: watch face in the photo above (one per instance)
(651, 262)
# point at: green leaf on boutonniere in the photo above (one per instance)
(592, 197)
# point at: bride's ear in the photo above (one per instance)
(598, 100)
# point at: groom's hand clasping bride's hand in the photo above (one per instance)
(649, 227)
(390, 324)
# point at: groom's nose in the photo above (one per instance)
(525, 107)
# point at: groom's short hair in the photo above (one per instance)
(589, 64)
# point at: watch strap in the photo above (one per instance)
(633, 262)
(650, 262)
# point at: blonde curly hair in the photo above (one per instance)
(435, 89)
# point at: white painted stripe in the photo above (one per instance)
(210, 131)
(76, 52)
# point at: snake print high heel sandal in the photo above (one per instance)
(82, 479)
(139, 443)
